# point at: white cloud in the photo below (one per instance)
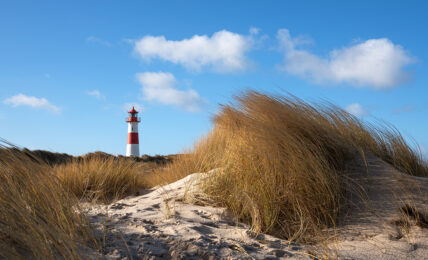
(23, 100)
(254, 30)
(160, 87)
(403, 109)
(356, 109)
(99, 41)
(128, 106)
(97, 94)
(224, 51)
(375, 63)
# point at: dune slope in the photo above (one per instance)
(168, 222)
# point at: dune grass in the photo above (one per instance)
(199, 159)
(101, 179)
(282, 169)
(38, 218)
(284, 162)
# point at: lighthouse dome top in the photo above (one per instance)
(133, 111)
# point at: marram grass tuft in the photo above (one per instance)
(283, 162)
(99, 179)
(39, 219)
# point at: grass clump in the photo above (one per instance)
(199, 159)
(101, 179)
(283, 162)
(38, 218)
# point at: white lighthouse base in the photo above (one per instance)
(132, 150)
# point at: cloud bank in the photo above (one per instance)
(375, 63)
(34, 102)
(404, 109)
(128, 106)
(356, 109)
(97, 94)
(160, 87)
(94, 39)
(223, 52)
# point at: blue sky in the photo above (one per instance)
(69, 70)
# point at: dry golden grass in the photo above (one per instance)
(39, 211)
(99, 179)
(282, 170)
(38, 218)
(200, 159)
(284, 162)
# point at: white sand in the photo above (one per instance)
(163, 223)
(367, 232)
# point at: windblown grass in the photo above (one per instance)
(284, 162)
(38, 218)
(200, 159)
(101, 179)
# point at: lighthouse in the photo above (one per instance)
(133, 146)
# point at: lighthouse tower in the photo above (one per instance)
(133, 146)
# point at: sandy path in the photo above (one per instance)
(160, 224)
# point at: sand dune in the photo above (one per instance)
(163, 223)
(166, 222)
(370, 230)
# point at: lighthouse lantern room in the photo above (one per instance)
(132, 147)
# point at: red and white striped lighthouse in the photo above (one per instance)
(133, 146)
